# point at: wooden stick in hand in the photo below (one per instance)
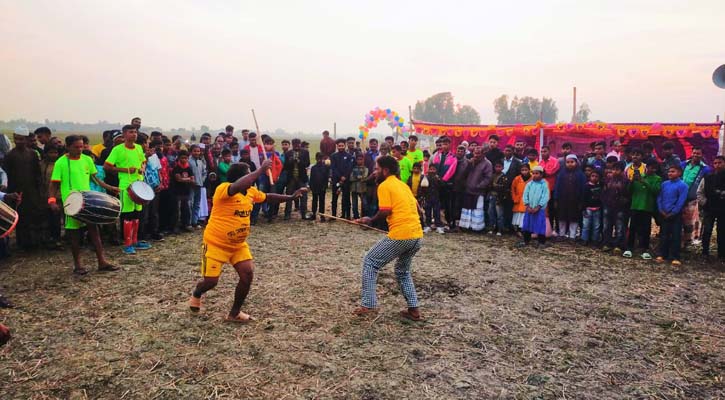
(353, 223)
(264, 151)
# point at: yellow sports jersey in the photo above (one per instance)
(404, 220)
(228, 225)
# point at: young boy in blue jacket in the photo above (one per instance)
(670, 202)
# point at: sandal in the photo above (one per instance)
(80, 271)
(241, 318)
(363, 311)
(108, 268)
(195, 303)
(408, 315)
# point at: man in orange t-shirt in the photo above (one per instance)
(403, 214)
(225, 237)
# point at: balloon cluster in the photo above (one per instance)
(395, 121)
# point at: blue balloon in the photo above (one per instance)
(387, 111)
(397, 118)
(401, 124)
(361, 135)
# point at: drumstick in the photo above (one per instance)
(264, 151)
(353, 223)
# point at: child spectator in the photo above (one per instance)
(415, 180)
(517, 195)
(358, 186)
(644, 190)
(183, 183)
(616, 201)
(532, 157)
(592, 213)
(432, 204)
(319, 176)
(245, 158)
(568, 195)
(497, 194)
(224, 165)
(198, 166)
(53, 218)
(637, 167)
(670, 202)
(536, 197)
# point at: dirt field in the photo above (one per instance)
(565, 322)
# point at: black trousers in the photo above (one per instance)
(446, 198)
(640, 225)
(709, 220)
(346, 203)
(150, 219)
(318, 202)
(292, 185)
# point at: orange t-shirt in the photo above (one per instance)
(229, 222)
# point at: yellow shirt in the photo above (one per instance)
(228, 225)
(631, 168)
(403, 221)
(415, 183)
(97, 149)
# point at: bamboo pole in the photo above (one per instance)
(264, 151)
(353, 223)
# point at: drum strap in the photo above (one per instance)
(70, 181)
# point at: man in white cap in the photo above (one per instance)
(22, 165)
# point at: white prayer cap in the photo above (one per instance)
(571, 157)
(21, 130)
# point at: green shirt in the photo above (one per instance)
(415, 156)
(222, 169)
(406, 168)
(123, 157)
(644, 193)
(73, 175)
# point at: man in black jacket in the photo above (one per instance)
(341, 163)
(511, 168)
(711, 198)
(296, 162)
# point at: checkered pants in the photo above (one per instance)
(380, 255)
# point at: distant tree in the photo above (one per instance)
(204, 128)
(525, 110)
(440, 108)
(583, 114)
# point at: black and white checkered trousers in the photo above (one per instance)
(380, 255)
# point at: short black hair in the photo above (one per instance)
(667, 145)
(372, 140)
(494, 137)
(498, 162)
(566, 145)
(226, 152)
(389, 163)
(696, 148)
(647, 146)
(413, 137)
(612, 159)
(340, 140)
(85, 139)
(49, 147)
(183, 153)
(252, 134)
(619, 165)
(397, 147)
(237, 171)
(721, 158)
(595, 171)
(389, 138)
(532, 151)
(675, 166)
(127, 128)
(319, 156)
(296, 141)
(508, 146)
(285, 141)
(156, 133)
(637, 150)
(349, 138)
(42, 130)
(652, 163)
(70, 139)
(155, 142)
(229, 128)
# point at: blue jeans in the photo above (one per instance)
(617, 221)
(592, 225)
(195, 203)
(671, 237)
(262, 186)
(495, 213)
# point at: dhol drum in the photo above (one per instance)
(141, 193)
(92, 207)
(8, 220)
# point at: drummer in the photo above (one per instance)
(73, 172)
(128, 161)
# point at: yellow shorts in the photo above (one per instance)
(214, 257)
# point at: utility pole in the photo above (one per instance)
(573, 113)
(334, 130)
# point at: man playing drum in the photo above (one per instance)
(73, 172)
(128, 161)
(225, 237)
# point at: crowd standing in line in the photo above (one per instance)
(608, 200)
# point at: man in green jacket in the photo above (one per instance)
(644, 191)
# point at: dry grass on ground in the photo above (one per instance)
(565, 322)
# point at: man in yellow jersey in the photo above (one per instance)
(400, 209)
(225, 237)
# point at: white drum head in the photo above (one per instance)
(143, 190)
(73, 204)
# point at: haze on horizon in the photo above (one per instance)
(303, 66)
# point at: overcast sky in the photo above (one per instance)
(304, 65)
